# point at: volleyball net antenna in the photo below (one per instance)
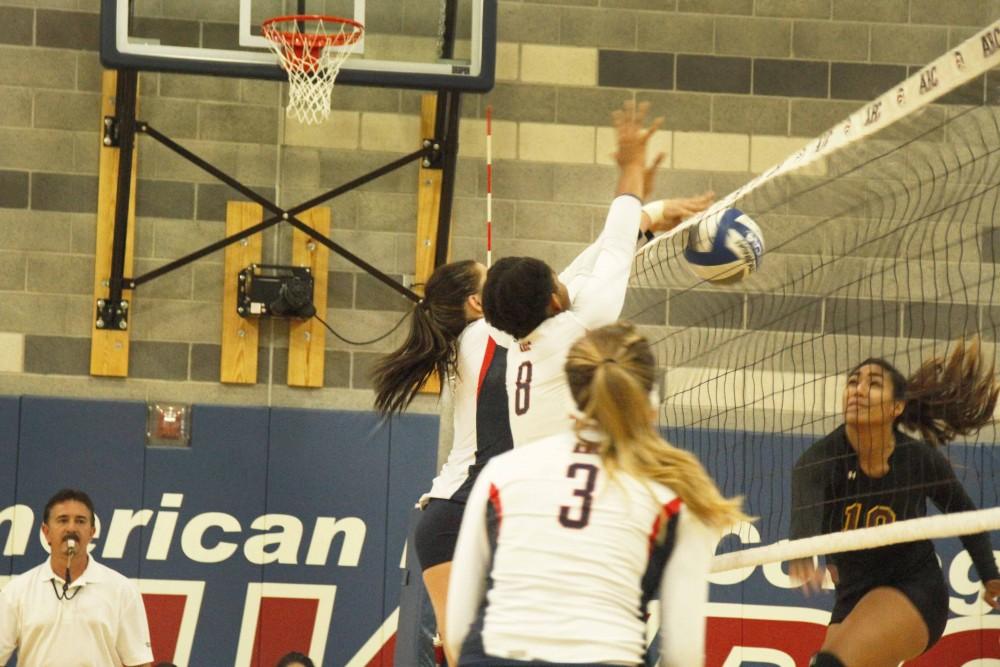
(882, 240)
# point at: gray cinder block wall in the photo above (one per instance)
(742, 83)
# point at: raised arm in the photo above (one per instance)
(597, 286)
(662, 215)
(584, 262)
(632, 136)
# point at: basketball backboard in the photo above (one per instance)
(402, 44)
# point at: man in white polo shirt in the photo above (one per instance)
(71, 611)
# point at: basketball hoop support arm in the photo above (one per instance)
(280, 215)
(446, 118)
(440, 151)
(113, 311)
(449, 106)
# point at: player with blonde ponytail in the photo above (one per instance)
(575, 533)
(611, 376)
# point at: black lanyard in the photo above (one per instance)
(65, 595)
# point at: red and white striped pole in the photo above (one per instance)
(489, 186)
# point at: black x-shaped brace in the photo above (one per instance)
(440, 151)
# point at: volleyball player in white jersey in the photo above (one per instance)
(448, 335)
(565, 540)
(546, 313)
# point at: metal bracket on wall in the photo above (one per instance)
(111, 138)
(111, 316)
(434, 159)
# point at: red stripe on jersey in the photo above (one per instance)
(491, 347)
(495, 501)
(669, 510)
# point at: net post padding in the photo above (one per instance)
(926, 528)
(311, 48)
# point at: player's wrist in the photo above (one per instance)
(655, 210)
(633, 167)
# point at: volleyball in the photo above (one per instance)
(725, 248)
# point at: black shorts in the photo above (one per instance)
(437, 532)
(925, 588)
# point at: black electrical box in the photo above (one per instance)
(271, 290)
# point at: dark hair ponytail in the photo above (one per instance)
(947, 396)
(435, 325)
(951, 396)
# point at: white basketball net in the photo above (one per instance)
(312, 52)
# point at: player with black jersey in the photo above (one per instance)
(892, 601)
(564, 541)
(448, 335)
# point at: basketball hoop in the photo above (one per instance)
(311, 48)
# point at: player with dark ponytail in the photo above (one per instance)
(449, 336)
(892, 601)
(452, 299)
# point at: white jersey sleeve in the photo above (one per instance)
(598, 278)
(133, 643)
(10, 619)
(469, 567)
(684, 593)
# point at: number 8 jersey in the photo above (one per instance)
(556, 562)
(539, 401)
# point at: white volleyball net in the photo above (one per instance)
(882, 240)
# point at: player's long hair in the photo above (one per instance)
(611, 374)
(947, 396)
(432, 342)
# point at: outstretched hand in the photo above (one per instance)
(992, 593)
(649, 177)
(632, 136)
(804, 573)
(677, 210)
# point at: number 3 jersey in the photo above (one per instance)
(831, 493)
(556, 562)
(539, 400)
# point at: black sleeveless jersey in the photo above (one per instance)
(493, 435)
(831, 493)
